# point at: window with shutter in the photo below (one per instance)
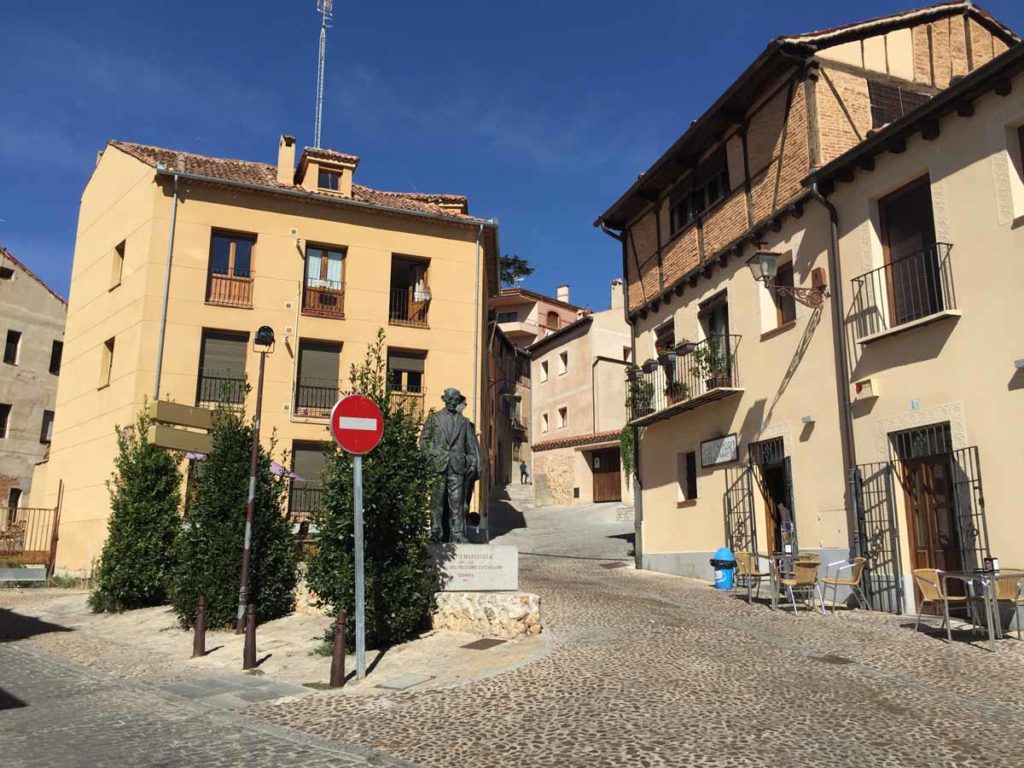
(222, 368)
(317, 389)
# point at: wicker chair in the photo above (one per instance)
(746, 569)
(1012, 591)
(856, 567)
(929, 581)
(805, 577)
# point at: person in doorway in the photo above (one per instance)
(524, 475)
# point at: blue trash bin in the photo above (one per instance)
(724, 564)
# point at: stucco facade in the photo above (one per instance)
(32, 330)
(243, 235)
(526, 316)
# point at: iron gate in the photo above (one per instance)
(740, 528)
(878, 538)
(969, 506)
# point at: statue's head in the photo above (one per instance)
(452, 399)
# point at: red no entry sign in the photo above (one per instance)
(356, 424)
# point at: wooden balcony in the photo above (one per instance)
(324, 298)
(229, 291)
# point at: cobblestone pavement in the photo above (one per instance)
(55, 712)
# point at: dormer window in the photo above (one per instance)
(329, 180)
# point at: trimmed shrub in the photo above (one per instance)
(397, 480)
(138, 559)
(209, 548)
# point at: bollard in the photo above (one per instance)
(249, 652)
(199, 638)
(338, 657)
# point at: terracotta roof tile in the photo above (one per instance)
(576, 441)
(330, 154)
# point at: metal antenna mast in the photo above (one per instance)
(324, 8)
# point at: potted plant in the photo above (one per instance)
(640, 399)
(650, 366)
(685, 347)
(676, 391)
(712, 364)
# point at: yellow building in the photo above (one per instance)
(179, 258)
(857, 420)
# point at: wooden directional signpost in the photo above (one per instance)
(357, 426)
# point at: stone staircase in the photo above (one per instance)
(519, 495)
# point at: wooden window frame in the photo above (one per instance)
(330, 173)
(233, 236)
(785, 304)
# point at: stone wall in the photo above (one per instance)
(553, 477)
(505, 615)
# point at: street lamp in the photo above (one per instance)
(764, 266)
(263, 343)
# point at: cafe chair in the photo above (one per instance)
(929, 581)
(856, 568)
(1012, 591)
(805, 578)
(747, 569)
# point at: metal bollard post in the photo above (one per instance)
(249, 652)
(199, 638)
(338, 657)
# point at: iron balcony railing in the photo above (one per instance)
(316, 397)
(695, 371)
(220, 388)
(303, 501)
(405, 308)
(324, 298)
(902, 291)
(229, 290)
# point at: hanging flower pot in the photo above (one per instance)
(650, 366)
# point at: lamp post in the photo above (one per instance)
(263, 343)
(764, 266)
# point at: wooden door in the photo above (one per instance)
(908, 240)
(607, 476)
(931, 523)
(418, 292)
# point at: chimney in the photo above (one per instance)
(286, 159)
(617, 294)
(562, 293)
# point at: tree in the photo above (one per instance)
(514, 270)
(209, 548)
(397, 480)
(137, 560)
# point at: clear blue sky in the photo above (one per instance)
(541, 112)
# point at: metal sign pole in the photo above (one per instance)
(357, 502)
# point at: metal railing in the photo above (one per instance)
(220, 388)
(303, 500)
(26, 535)
(324, 298)
(903, 291)
(409, 401)
(403, 310)
(229, 291)
(706, 366)
(316, 397)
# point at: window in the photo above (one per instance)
(12, 347)
(6, 273)
(56, 353)
(891, 102)
(406, 368)
(13, 502)
(317, 388)
(306, 495)
(563, 362)
(708, 184)
(106, 362)
(222, 368)
(46, 433)
(563, 418)
(508, 317)
(916, 284)
(230, 277)
(5, 417)
(543, 422)
(324, 292)
(686, 476)
(785, 304)
(410, 292)
(544, 370)
(329, 180)
(665, 337)
(117, 265)
(552, 321)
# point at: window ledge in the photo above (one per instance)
(115, 285)
(103, 386)
(229, 305)
(778, 331)
(920, 322)
(687, 503)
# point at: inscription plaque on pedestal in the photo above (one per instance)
(477, 567)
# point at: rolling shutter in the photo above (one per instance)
(224, 352)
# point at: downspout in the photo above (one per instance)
(485, 471)
(842, 370)
(167, 292)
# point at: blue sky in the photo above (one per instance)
(541, 112)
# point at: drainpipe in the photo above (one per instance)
(167, 290)
(839, 345)
(485, 470)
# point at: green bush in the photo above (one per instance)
(397, 480)
(138, 560)
(209, 547)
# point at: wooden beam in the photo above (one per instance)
(692, 280)
(163, 412)
(666, 297)
(1003, 88)
(709, 268)
(930, 129)
(797, 210)
(867, 163)
(965, 109)
(898, 146)
(776, 224)
(845, 174)
(176, 439)
(679, 289)
(723, 259)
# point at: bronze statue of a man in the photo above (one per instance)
(449, 438)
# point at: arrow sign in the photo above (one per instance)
(356, 424)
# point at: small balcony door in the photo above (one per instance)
(410, 292)
(908, 241)
(324, 292)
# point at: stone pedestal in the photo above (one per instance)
(476, 567)
(506, 616)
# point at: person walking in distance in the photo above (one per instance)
(524, 475)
